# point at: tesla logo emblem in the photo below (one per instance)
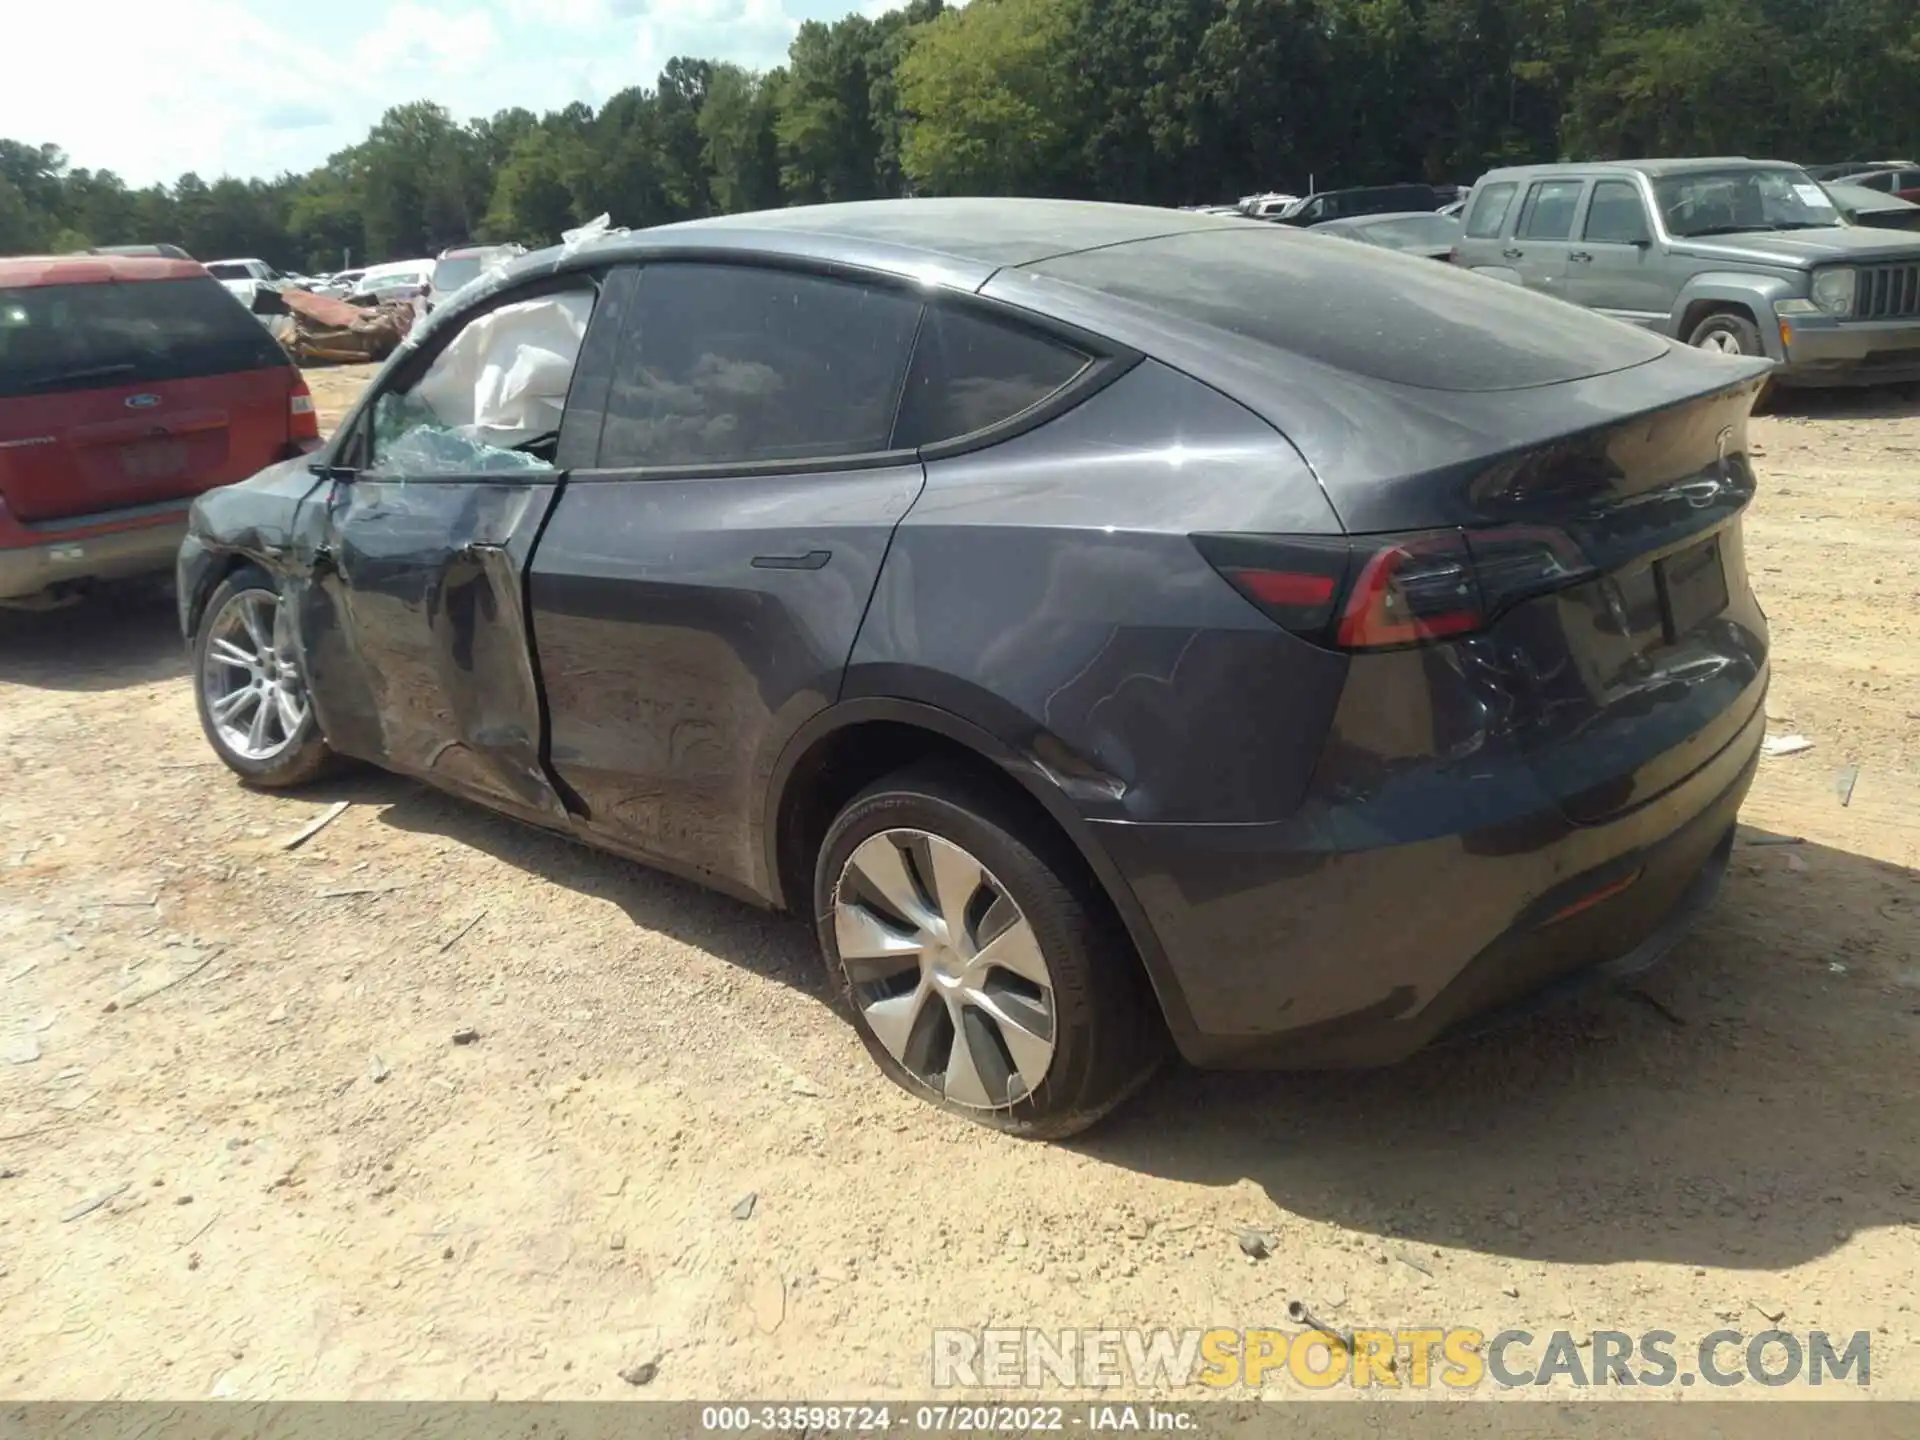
(147, 402)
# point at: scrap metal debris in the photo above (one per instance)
(87, 1207)
(326, 329)
(1785, 745)
(1301, 1315)
(314, 826)
(1844, 782)
(145, 990)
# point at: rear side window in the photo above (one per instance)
(970, 373)
(229, 272)
(1487, 217)
(1548, 213)
(85, 337)
(1617, 215)
(729, 364)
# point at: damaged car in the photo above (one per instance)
(1110, 628)
(129, 383)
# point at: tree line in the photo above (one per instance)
(1152, 101)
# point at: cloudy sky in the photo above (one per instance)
(152, 90)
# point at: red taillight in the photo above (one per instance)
(1410, 591)
(1285, 588)
(1385, 592)
(303, 423)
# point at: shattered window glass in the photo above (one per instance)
(492, 399)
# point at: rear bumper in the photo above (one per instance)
(1833, 353)
(1290, 958)
(38, 558)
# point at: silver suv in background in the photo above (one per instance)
(1744, 256)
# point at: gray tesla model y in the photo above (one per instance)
(1110, 627)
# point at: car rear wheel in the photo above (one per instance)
(252, 697)
(1729, 334)
(981, 971)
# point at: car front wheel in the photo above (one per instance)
(252, 697)
(1728, 334)
(980, 969)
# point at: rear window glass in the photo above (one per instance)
(970, 373)
(450, 275)
(229, 272)
(79, 337)
(1399, 319)
(1489, 213)
(1415, 230)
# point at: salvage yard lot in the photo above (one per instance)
(242, 1155)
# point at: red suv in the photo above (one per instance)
(128, 385)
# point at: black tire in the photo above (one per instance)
(307, 757)
(1736, 327)
(1108, 1034)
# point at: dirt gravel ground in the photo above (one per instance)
(242, 1155)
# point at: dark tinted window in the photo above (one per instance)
(1548, 213)
(78, 337)
(1488, 215)
(1617, 215)
(970, 372)
(1881, 181)
(229, 272)
(726, 363)
(1404, 320)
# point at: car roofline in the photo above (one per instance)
(23, 272)
(786, 237)
(1652, 169)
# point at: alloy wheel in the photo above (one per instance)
(1724, 341)
(946, 970)
(254, 694)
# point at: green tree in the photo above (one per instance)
(894, 34)
(1155, 101)
(740, 149)
(22, 228)
(829, 147)
(993, 91)
(533, 194)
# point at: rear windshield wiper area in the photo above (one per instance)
(70, 377)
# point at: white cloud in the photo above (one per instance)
(754, 33)
(257, 87)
